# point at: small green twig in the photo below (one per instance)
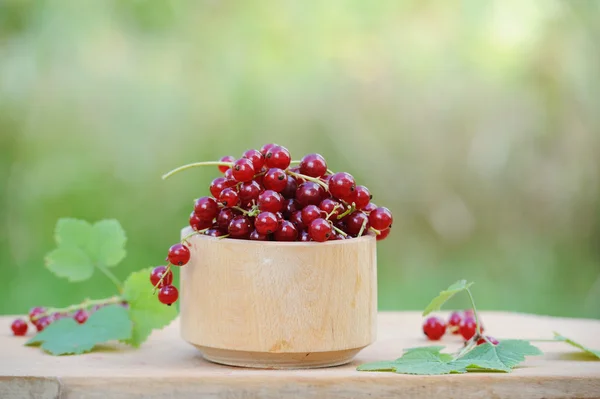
(83, 305)
(477, 324)
(335, 208)
(348, 211)
(339, 231)
(308, 178)
(111, 277)
(162, 278)
(194, 165)
(377, 232)
(362, 228)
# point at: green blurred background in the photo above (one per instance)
(476, 122)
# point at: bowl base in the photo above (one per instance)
(269, 360)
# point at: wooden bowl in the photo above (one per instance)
(279, 304)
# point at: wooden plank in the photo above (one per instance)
(166, 366)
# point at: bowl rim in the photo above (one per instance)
(356, 240)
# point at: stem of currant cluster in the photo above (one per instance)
(111, 277)
(339, 231)
(162, 278)
(477, 324)
(308, 178)
(362, 228)
(184, 240)
(195, 164)
(374, 230)
(83, 305)
(335, 208)
(348, 211)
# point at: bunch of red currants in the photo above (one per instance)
(262, 197)
(459, 322)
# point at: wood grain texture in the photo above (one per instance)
(297, 304)
(167, 366)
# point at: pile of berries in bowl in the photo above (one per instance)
(266, 196)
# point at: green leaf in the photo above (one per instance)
(502, 357)
(569, 341)
(439, 300)
(107, 242)
(72, 232)
(66, 336)
(426, 360)
(146, 312)
(71, 263)
(377, 366)
(433, 349)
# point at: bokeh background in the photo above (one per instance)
(476, 122)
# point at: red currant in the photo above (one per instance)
(355, 222)
(383, 234)
(492, 340)
(296, 219)
(42, 323)
(309, 193)
(469, 313)
(286, 231)
(249, 191)
(278, 157)
(229, 197)
(362, 196)
(226, 158)
(291, 186)
(304, 236)
(434, 328)
(256, 236)
(370, 207)
(157, 274)
(454, 322)
(206, 208)
(168, 295)
(265, 148)
(35, 312)
(270, 201)
(178, 255)
(19, 327)
(342, 185)
(198, 224)
(275, 179)
(380, 218)
(289, 206)
(80, 316)
(228, 174)
(467, 328)
(313, 165)
(225, 217)
(320, 230)
(213, 232)
(330, 205)
(219, 184)
(310, 213)
(256, 157)
(240, 227)
(266, 223)
(243, 170)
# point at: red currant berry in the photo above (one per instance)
(454, 322)
(275, 179)
(291, 186)
(296, 219)
(330, 205)
(370, 207)
(249, 191)
(219, 184)
(467, 328)
(492, 340)
(168, 295)
(362, 196)
(35, 312)
(266, 223)
(289, 206)
(256, 236)
(304, 236)
(256, 157)
(198, 224)
(226, 158)
(42, 323)
(270, 201)
(178, 255)
(383, 234)
(240, 227)
(278, 157)
(229, 197)
(19, 327)
(434, 328)
(206, 208)
(380, 218)
(313, 165)
(342, 185)
(309, 193)
(157, 274)
(243, 170)
(354, 223)
(213, 232)
(80, 316)
(310, 213)
(265, 148)
(320, 230)
(286, 231)
(225, 217)
(469, 313)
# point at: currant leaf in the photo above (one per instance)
(72, 232)
(426, 362)
(106, 245)
(66, 336)
(385, 365)
(502, 357)
(569, 341)
(445, 295)
(70, 262)
(146, 312)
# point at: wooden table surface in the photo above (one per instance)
(166, 366)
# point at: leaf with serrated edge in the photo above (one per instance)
(377, 366)
(445, 295)
(146, 312)
(435, 349)
(70, 262)
(426, 362)
(66, 336)
(502, 357)
(569, 341)
(72, 232)
(107, 242)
